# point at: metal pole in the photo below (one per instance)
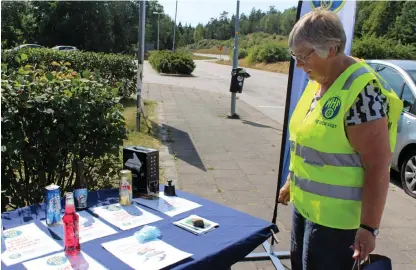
(158, 19)
(140, 58)
(174, 27)
(235, 60)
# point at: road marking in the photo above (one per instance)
(275, 107)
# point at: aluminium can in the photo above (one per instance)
(126, 187)
(53, 205)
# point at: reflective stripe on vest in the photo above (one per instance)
(331, 191)
(353, 76)
(361, 71)
(318, 158)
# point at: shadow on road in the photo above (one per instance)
(395, 179)
(254, 124)
(179, 143)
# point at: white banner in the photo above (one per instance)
(346, 11)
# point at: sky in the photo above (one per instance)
(201, 11)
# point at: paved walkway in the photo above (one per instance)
(235, 163)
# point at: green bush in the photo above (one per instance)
(371, 47)
(48, 120)
(114, 67)
(268, 52)
(177, 62)
(242, 53)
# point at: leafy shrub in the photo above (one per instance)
(268, 52)
(113, 67)
(242, 53)
(50, 118)
(177, 62)
(371, 47)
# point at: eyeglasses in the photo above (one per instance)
(301, 58)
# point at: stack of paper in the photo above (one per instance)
(187, 224)
(125, 217)
(152, 255)
(90, 228)
(62, 261)
(169, 205)
(27, 242)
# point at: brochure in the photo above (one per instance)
(27, 242)
(125, 217)
(60, 261)
(169, 205)
(90, 228)
(151, 255)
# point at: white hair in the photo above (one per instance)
(320, 30)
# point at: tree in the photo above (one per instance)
(199, 33)
(405, 24)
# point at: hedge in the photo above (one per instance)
(382, 48)
(178, 62)
(113, 67)
(268, 52)
(48, 120)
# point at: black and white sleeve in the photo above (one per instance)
(370, 105)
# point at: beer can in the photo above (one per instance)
(53, 205)
(126, 188)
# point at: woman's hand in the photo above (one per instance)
(365, 243)
(284, 194)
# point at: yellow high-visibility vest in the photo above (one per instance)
(327, 176)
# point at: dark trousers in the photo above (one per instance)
(316, 247)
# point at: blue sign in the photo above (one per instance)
(334, 6)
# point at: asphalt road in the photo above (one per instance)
(266, 91)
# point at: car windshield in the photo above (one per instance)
(412, 74)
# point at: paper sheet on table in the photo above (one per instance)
(60, 261)
(169, 205)
(125, 217)
(90, 228)
(151, 255)
(27, 242)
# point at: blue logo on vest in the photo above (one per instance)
(331, 108)
(334, 6)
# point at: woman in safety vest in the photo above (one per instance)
(342, 135)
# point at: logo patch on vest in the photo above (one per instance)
(331, 108)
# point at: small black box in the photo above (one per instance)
(144, 166)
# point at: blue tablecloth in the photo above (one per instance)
(237, 235)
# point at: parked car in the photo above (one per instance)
(32, 46)
(65, 48)
(401, 76)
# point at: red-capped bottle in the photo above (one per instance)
(70, 222)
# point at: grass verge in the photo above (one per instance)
(211, 51)
(147, 136)
(199, 57)
(280, 67)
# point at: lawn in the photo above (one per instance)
(147, 136)
(211, 51)
(280, 67)
(199, 57)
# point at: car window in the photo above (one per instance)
(392, 77)
(372, 65)
(408, 98)
(412, 74)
